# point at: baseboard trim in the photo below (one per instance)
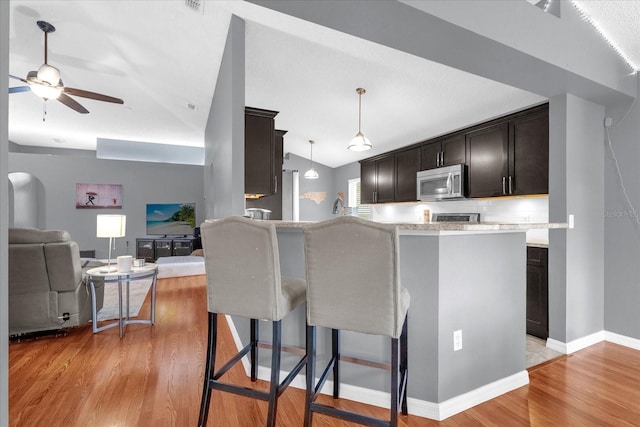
(421, 408)
(575, 345)
(624, 340)
(589, 340)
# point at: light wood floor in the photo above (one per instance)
(153, 377)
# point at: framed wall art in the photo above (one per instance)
(98, 196)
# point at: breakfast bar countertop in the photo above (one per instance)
(447, 226)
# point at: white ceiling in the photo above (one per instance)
(160, 55)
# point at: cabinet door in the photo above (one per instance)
(385, 179)
(144, 250)
(407, 164)
(367, 182)
(537, 292)
(162, 248)
(529, 154)
(430, 153)
(259, 151)
(487, 161)
(182, 247)
(274, 201)
(454, 150)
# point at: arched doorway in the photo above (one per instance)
(26, 201)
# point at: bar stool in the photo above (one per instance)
(243, 279)
(353, 283)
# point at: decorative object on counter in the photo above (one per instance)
(258, 213)
(426, 215)
(360, 142)
(138, 262)
(338, 205)
(110, 226)
(124, 263)
(311, 173)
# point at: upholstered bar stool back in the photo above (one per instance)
(243, 279)
(353, 283)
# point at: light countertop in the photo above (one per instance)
(446, 226)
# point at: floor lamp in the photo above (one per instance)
(110, 226)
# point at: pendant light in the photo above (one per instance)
(311, 173)
(360, 142)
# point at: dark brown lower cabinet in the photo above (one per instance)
(537, 292)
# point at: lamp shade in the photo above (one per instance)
(359, 143)
(111, 225)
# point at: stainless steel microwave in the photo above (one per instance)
(444, 183)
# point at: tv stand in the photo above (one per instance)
(152, 248)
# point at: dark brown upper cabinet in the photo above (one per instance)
(259, 151)
(529, 154)
(510, 158)
(444, 152)
(487, 161)
(273, 202)
(377, 180)
(407, 164)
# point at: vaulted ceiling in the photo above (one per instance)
(162, 58)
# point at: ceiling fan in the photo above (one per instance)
(46, 82)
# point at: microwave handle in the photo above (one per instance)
(449, 186)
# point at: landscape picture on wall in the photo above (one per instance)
(98, 196)
(171, 219)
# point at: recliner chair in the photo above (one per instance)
(46, 286)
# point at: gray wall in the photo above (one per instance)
(576, 256)
(142, 183)
(224, 133)
(310, 210)
(341, 177)
(4, 220)
(622, 231)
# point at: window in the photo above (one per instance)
(364, 211)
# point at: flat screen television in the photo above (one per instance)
(171, 219)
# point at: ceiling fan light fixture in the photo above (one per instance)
(360, 142)
(311, 173)
(45, 91)
(49, 75)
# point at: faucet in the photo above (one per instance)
(338, 205)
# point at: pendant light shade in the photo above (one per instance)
(311, 173)
(360, 142)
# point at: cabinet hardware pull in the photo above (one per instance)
(504, 188)
(275, 184)
(510, 186)
(438, 159)
(442, 158)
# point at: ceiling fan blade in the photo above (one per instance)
(19, 89)
(72, 103)
(92, 95)
(18, 78)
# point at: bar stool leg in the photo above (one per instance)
(310, 373)
(335, 346)
(209, 369)
(275, 373)
(255, 331)
(395, 362)
(404, 364)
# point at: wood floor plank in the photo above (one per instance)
(153, 377)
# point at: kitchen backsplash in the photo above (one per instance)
(518, 210)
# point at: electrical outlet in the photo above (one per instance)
(457, 340)
(571, 221)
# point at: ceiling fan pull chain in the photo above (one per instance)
(44, 110)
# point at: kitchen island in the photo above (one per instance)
(468, 277)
